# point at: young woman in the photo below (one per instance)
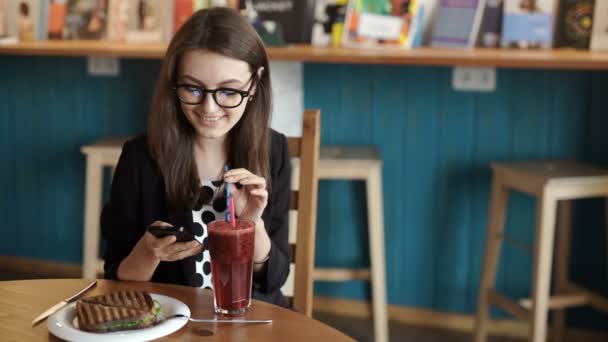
(211, 108)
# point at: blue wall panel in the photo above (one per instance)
(49, 107)
(437, 144)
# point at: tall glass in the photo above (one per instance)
(231, 252)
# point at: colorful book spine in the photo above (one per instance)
(491, 24)
(183, 11)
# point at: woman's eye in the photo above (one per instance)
(193, 90)
(227, 92)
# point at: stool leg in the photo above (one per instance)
(375, 213)
(562, 257)
(496, 221)
(543, 256)
(92, 208)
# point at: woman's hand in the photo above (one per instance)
(166, 249)
(249, 201)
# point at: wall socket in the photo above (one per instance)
(103, 66)
(474, 79)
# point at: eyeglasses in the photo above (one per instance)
(223, 97)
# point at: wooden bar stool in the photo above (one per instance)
(361, 163)
(552, 183)
(101, 154)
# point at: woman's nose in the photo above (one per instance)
(209, 105)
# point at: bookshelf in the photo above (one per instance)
(531, 59)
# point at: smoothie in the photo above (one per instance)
(231, 251)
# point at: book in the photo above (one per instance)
(457, 23)
(183, 11)
(528, 23)
(23, 19)
(3, 18)
(118, 20)
(491, 24)
(378, 22)
(294, 18)
(599, 32)
(416, 31)
(56, 18)
(145, 22)
(574, 24)
(86, 19)
(328, 22)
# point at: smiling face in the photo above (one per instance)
(203, 69)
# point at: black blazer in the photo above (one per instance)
(137, 198)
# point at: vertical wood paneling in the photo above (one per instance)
(453, 209)
(49, 108)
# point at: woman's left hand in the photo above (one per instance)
(249, 201)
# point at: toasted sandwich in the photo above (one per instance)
(115, 311)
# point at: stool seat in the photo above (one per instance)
(570, 178)
(544, 171)
(554, 183)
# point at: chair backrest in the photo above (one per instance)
(305, 151)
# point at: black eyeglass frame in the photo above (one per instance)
(213, 92)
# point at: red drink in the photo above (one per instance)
(231, 251)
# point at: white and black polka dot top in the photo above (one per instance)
(212, 206)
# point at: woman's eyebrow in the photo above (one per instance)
(233, 81)
(191, 78)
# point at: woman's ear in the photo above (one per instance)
(259, 73)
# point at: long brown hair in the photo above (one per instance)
(170, 135)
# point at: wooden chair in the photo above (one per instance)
(305, 159)
(555, 184)
(305, 165)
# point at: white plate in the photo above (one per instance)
(61, 324)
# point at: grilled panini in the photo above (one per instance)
(117, 311)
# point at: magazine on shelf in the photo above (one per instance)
(86, 19)
(381, 23)
(599, 33)
(457, 23)
(294, 17)
(574, 24)
(528, 23)
(491, 24)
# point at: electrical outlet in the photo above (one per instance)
(474, 79)
(103, 66)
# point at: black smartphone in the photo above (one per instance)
(180, 233)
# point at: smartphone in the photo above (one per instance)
(180, 233)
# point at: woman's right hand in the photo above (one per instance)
(149, 251)
(166, 249)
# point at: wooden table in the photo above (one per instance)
(21, 301)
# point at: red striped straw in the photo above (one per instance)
(229, 203)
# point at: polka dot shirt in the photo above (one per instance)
(211, 206)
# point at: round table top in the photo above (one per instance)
(22, 300)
